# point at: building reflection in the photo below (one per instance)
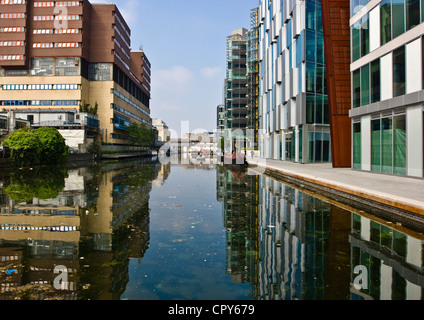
(238, 193)
(292, 244)
(95, 219)
(392, 257)
(300, 255)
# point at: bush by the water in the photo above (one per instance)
(37, 146)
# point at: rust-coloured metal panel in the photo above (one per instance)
(335, 19)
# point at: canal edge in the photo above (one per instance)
(407, 210)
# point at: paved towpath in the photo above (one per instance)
(397, 191)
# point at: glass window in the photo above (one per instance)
(319, 18)
(310, 15)
(365, 85)
(100, 72)
(399, 144)
(356, 94)
(319, 109)
(300, 143)
(310, 108)
(385, 21)
(386, 145)
(67, 66)
(299, 50)
(41, 67)
(355, 6)
(320, 79)
(310, 46)
(310, 77)
(398, 17)
(365, 36)
(375, 145)
(357, 145)
(412, 8)
(320, 48)
(356, 38)
(399, 73)
(375, 81)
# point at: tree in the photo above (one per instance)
(41, 146)
(140, 135)
(52, 145)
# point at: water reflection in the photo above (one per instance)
(273, 241)
(92, 220)
(309, 248)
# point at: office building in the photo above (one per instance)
(387, 86)
(68, 55)
(235, 90)
(252, 116)
(294, 111)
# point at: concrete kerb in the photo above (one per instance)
(407, 204)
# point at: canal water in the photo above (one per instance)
(142, 230)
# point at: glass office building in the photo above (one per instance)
(387, 86)
(294, 115)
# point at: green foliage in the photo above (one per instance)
(40, 182)
(87, 108)
(41, 146)
(140, 135)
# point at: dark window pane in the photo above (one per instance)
(357, 145)
(365, 84)
(356, 42)
(310, 46)
(412, 13)
(399, 72)
(398, 16)
(365, 36)
(356, 94)
(375, 145)
(310, 108)
(399, 137)
(385, 21)
(375, 81)
(387, 145)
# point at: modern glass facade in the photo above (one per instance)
(294, 111)
(387, 85)
(235, 90)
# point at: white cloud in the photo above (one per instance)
(131, 10)
(174, 79)
(211, 72)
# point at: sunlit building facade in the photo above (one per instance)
(68, 55)
(387, 86)
(294, 115)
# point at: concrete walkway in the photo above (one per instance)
(400, 192)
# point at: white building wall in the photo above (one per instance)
(414, 134)
(386, 68)
(374, 25)
(413, 65)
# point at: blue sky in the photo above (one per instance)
(185, 41)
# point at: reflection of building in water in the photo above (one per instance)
(95, 224)
(162, 176)
(124, 194)
(238, 193)
(392, 257)
(295, 245)
(37, 235)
